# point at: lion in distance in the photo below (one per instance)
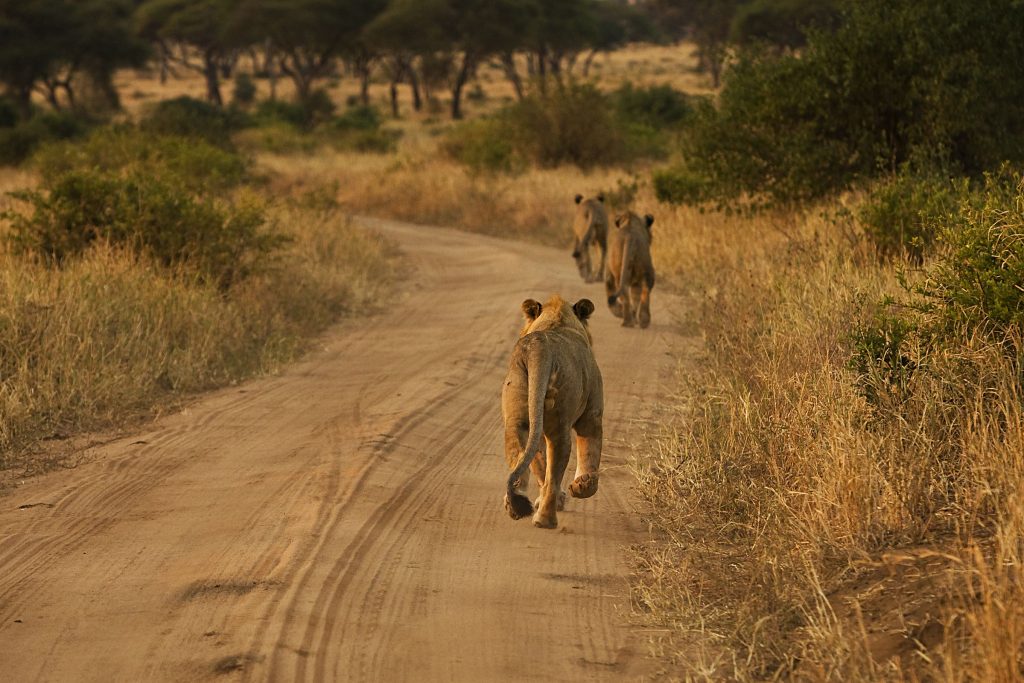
(630, 276)
(553, 388)
(590, 228)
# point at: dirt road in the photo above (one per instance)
(343, 520)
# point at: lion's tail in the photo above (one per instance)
(538, 372)
(624, 274)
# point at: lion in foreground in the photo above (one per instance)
(553, 388)
(630, 274)
(590, 227)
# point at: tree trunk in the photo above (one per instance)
(212, 79)
(508, 61)
(542, 69)
(394, 98)
(460, 81)
(364, 88)
(587, 62)
(414, 85)
(104, 82)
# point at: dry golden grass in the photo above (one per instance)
(536, 206)
(800, 532)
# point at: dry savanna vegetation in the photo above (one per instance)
(836, 490)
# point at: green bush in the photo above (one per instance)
(158, 217)
(973, 288)
(379, 141)
(483, 145)
(568, 124)
(358, 117)
(658, 106)
(270, 112)
(18, 142)
(190, 118)
(898, 80)
(199, 166)
(880, 356)
(977, 284)
(680, 185)
(903, 214)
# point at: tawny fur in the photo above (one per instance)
(630, 275)
(590, 229)
(553, 388)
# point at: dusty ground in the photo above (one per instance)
(343, 521)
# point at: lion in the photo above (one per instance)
(630, 268)
(553, 387)
(590, 227)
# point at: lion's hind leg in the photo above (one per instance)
(589, 434)
(559, 448)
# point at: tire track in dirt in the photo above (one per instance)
(343, 521)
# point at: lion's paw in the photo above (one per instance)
(584, 486)
(545, 522)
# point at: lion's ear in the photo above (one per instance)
(531, 309)
(600, 197)
(650, 220)
(579, 198)
(583, 308)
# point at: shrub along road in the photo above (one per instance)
(343, 520)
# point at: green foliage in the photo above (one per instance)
(903, 214)
(656, 106)
(897, 81)
(680, 185)
(358, 117)
(483, 145)
(571, 124)
(189, 118)
(316, 108)
(157, 217)
(880, 356)
(19, 141)
(281, 129)
(782, 23)
(973, 288)
(280, 111)
(198, 166)
(977, 285)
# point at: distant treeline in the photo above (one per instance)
(68, 50)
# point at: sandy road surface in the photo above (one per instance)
(343, 521)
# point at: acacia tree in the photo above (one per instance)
(33, 36)
(482, 28)
(306, 36)
(200, 25)
(405, 31)
(44, 44)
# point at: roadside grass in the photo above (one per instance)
(112, 336)
(801, 532)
